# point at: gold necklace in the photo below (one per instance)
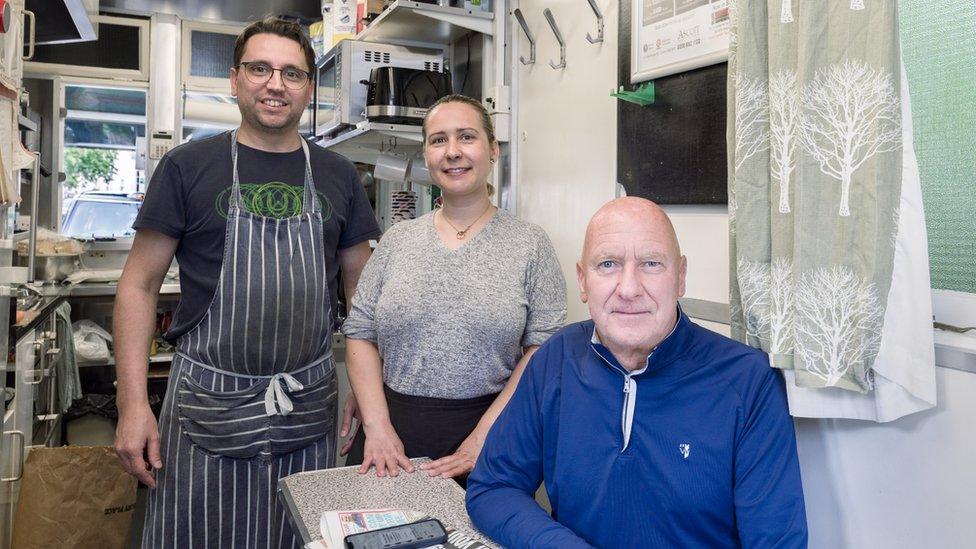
(461, 234)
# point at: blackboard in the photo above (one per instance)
(673, 151)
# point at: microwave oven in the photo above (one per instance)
(342, 79)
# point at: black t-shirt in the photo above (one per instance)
(188, 195)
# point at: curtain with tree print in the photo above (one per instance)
(821, 174)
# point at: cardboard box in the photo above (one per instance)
(343, 20)
(360, 13)
(375, 6)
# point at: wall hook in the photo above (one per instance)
(525, 29)
(599, 23)
(559, 38)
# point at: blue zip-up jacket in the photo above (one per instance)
(710, 462)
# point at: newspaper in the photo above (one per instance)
(336, 525)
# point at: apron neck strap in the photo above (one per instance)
(309, 202)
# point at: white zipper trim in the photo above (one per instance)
(630, 401)
(630, 385)
(630, 398)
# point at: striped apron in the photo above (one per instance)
(252, 389)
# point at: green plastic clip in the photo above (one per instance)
(643, 96)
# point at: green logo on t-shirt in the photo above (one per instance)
(273, 199)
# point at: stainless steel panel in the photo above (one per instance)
(54, 267)
(106, 289)
(705, 310)
(956, 359)
(218, 10)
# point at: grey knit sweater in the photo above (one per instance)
(452, 324)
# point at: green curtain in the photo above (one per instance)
(815, 177)
(939, 50)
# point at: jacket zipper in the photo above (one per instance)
(628, 385)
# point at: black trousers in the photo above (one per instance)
(428, 427)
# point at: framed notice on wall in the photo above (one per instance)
(672, 36)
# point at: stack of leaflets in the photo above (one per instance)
(336, 525)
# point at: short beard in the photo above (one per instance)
(251, 117)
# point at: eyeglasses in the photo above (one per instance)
(260, 73)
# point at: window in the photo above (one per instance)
(104, 117)
(121, 51)
(99, 215)
(208, 53)
(211, 53)
(207, 114)
(939, 52)
(940, 58)
(101, 130)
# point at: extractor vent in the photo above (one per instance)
(371, 56)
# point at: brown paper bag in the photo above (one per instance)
(74, 496)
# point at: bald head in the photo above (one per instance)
(631, 276)
(631, 211)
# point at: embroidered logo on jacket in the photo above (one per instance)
(685, 450)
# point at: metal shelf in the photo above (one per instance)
(159, 358)
(158, 371)
(26, 123)
(94, 289)
(404, 22)
(414, 22)
(370, 139)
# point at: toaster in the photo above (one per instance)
(399, 95)
(342, 79)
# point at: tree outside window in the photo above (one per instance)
(89, 169)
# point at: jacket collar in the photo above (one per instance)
(663, 362)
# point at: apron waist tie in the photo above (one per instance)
(276, 399)
(309, 366)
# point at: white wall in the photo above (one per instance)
(910, 483)
(568, 141)
(907, 484)
(566, 130)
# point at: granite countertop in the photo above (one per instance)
(309, 494)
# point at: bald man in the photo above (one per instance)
(648, 430)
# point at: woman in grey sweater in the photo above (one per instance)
(448, 310)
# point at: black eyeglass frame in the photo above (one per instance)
(244, 64)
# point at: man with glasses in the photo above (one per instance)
(261, 223)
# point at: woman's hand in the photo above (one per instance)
(384, 451)
(461, 462)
